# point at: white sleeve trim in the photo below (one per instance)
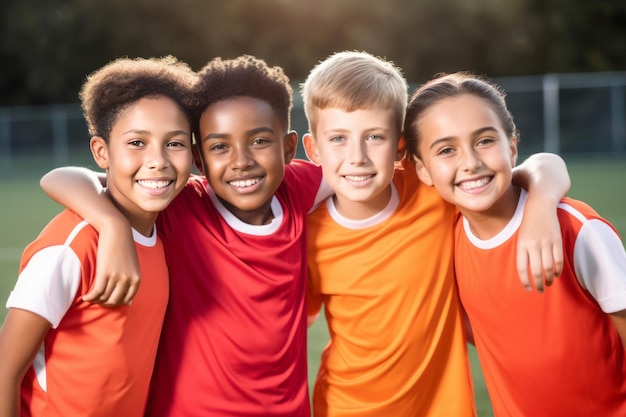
(48, 284)
(600, 265)
(323, 192)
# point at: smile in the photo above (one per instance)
(470, 185)
(154, 184)
(358, 178)
(244, 183)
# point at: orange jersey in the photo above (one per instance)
(556, 353)
(397, 346)
(95, 361)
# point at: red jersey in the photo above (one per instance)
(234, 337)
(556, 353)
(95, 361)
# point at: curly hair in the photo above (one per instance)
(244, 76)
(108, 91)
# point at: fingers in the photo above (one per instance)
(522, 268)
(557, 254)
(111, 292)
(539, 266)
(132, 291)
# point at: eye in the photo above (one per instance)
(375, 137)
(337, 139)
(447, 150)
(260, 141)
(176, 144)
(136, 142)
(217, 147)
(485, 141)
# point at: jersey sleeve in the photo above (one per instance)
(48, 284)
(600, 265)
(310, 182)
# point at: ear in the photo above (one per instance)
(422, 172)
(196, 153)
(401, 151)
(291, 146)
(310, 148)
(100, 151)
(513, 148)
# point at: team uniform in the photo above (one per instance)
(95, 361)
(397, 345)
(234, 337)
(556, 353)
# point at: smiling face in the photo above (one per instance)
(147, 159)
(357, 151)
(244, 148)
(466, 155)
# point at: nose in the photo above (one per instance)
(240, 158)
(471, 160)
(357, 152)
(157, 158)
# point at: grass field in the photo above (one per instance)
(25, 210)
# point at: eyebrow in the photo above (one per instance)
(370, 130)
(147, 132)
(474, 133)
(250, 132)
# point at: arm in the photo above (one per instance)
(20, 339)
(539, 245)
(117, 272)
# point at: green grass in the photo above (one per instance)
(25, 210)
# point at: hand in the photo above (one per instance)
(539, 246)
(117, 270)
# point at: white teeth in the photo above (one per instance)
(244, 183)
(357, 178)
(154, 184)
(469, 185)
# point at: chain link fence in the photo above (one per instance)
(574, 115)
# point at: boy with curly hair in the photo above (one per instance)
(63, 355)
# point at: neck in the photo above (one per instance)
(361, 210)
(142, 222)
(488, 223)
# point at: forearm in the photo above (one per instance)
(544, 176)
(539, 246)
(20, 338)
(81, 190)
(9, 402)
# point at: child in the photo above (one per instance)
(380, 255)
(63, 356)
(234, 337)
(556, 354)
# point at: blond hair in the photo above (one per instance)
(352, 80)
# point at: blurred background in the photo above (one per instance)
(561, 61)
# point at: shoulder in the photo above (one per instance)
(64, 229)
(577, 214)
(303, 172)
(301, 184)
(195, 190)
